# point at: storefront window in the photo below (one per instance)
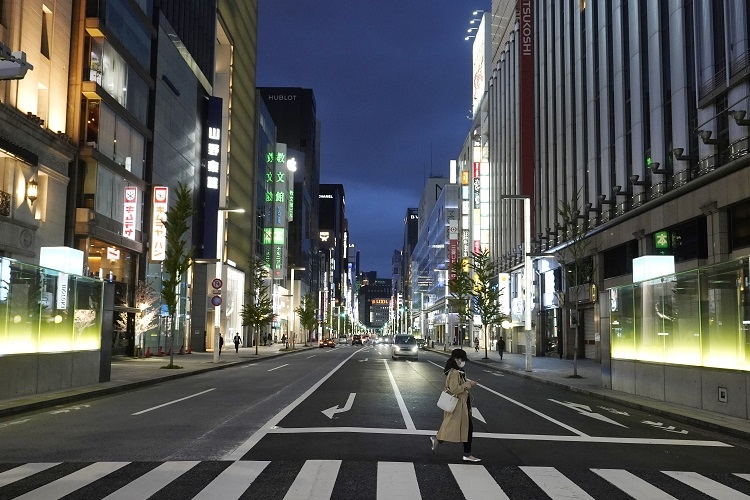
(696, 318)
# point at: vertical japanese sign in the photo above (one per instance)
(452, 246)
(277, 191)
(503, 289)
(476, 204)
(130, 212)
(210, 176)
(159, 206)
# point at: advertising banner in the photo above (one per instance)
(130, 212)
(159, 206)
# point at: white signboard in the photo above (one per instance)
(61, 297)
(504, 293)
(130, 212)
(158, 216)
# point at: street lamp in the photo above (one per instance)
(526, 272)
(292, 299)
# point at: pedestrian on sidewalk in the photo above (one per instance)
(221, 343)
(237, 341)
(476, 344)
(457, 426)
(500, 346)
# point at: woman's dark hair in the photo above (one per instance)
(451, 363)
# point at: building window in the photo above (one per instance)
(46, 29)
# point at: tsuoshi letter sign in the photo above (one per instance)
(158, 216)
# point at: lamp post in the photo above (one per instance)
(219, 272)
(527, 271)
(292, 300)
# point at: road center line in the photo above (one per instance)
(242, 449)
(171, 402)
(282, 366)
(399, 399)
(528, 408)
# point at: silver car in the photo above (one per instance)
(404, 346)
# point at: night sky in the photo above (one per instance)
(392, 84)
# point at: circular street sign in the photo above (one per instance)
(216, 300)
(217, 283)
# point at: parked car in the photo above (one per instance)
(326, 343)
(404, 346)
(356, 339)
(421, 344)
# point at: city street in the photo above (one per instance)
(350, 422)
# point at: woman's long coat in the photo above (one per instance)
(455, 426)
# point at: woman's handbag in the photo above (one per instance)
(447, 401)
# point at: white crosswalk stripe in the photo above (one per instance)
(317, 480)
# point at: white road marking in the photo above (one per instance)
(23, 471)
(330, 412)
(72, 482)
(171, 402)
(632, 484)
(586, 410)
(232, 482)
(315, 481)
(493, 372)
(151, 482)
(476, 483)
(491, 435)
(475, 413)
(399, 399)
(397, 481)
(282, 366)
(15, 422)
(707, 486)
(240, 451)
(311, 356)
(555, 484)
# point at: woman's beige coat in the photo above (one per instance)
(455, 426)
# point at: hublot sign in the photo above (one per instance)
(282, 97)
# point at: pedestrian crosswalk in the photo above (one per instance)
(329, 479)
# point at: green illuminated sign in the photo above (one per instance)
(661, 240)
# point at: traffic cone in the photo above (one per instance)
(169, 352)
(148, 352)
(182, 350)
(161, 352)
(190, 349)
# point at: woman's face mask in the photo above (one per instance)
(460, 363)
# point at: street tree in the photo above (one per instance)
(486, 292)
(257, 311)
(178, 255)
(576, 259)
(147, 301)
(461, 288)
(308, 320)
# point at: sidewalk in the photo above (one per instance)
(129, 373)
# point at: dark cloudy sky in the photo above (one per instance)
(392, 83)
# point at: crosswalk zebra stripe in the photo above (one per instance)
(397, 480)
(23, 471)
(632, 484)
(708, 486)
(152, 481)
(476, 483)
(72, 482)
(315, 480)
(744, 476)
(232, 482)
(555, 484)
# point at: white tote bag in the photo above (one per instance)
(447, 402)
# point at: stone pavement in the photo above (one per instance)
(129, 373)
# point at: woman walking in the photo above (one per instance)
(457, 426)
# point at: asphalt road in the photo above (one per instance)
(350, 422)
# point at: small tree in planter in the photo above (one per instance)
(178, 255)
(486, 294)
(461, 289)
(306, 315)
(257, 311)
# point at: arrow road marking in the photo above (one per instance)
(475, 413)
(586, 410)
(330, 412)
